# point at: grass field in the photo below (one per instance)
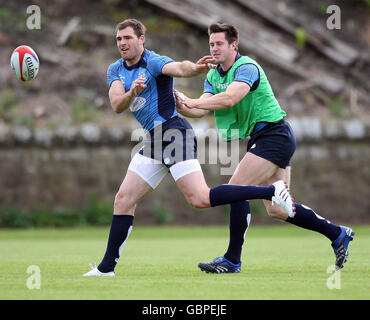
(161, 263)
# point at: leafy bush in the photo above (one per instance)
(95, 213)
(300, 37)
(15, 218)
(162, 215)
(8, 100)
(365, 3)
(82, 111)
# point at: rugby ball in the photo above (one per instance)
(24, 63)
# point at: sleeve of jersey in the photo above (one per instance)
(208, 87)
(156, 64)
(112, 74)
(247, 73)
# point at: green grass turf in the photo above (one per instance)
(279, 262)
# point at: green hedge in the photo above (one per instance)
(95, 213)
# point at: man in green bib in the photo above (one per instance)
(239, 93)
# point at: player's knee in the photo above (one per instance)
(122, 198)
(119, 197)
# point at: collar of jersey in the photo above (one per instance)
(221, 71)
(140, 63)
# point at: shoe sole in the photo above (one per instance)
(339, 263)
(210, 269)
(206, 268)
(99, 275)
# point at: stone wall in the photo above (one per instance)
(63, 167)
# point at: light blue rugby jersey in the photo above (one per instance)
(156, 104)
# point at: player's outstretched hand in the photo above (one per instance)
(204, 64)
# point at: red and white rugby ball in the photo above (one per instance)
(24, 63)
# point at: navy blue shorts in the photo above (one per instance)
(274, 142)
(172, 142)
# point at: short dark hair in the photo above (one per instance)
(231, 33)
(136, 25)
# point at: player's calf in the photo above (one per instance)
(275, 212)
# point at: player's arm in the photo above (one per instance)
(187, 112)
(187, 69)
(120, 100)
(247, 78)
(227, 99)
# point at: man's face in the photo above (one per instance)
(129, 45)
(220, 49)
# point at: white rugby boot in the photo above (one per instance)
(94, 272)
(283, 198)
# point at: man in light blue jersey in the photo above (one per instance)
(142, 81)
